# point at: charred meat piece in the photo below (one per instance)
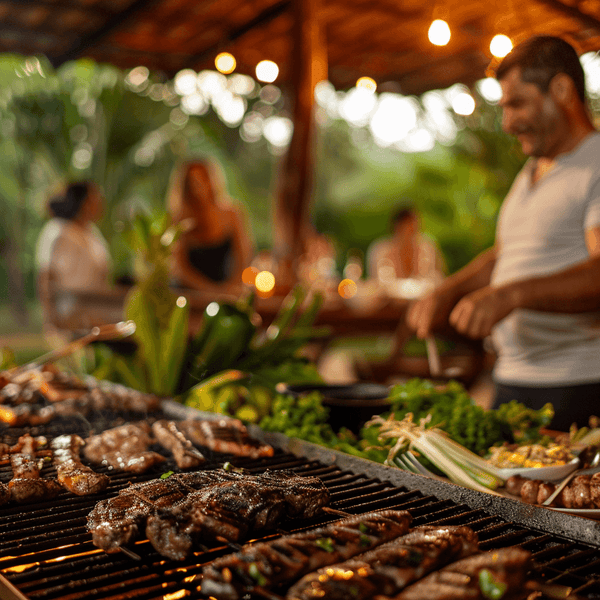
(4, 493)
(124, 448)
(389, 568)
(285, 560)
(27, 485)
(232, 509)
(172, 439)
(507, 568)
(115, 522)
(72, 474)
(225, 435)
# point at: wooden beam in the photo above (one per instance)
(309, 66)
(574, 12)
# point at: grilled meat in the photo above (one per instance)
(172, 438)
(225, 435)
(389, 568)
(507, 566)
(27, 485)
(115, 522)
(583, 491)
(230, 510)
(72, 474)
(286, 559)
(124, 448)
(4, 493)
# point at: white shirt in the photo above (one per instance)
(541, 230)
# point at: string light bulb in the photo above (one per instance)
(225, 63)
(439, 32)
(367, 83)
(267, 71)
(500, 45)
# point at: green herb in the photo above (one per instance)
(167, 474)
(254, 572)
(490, 587)
(363, 527)
(326, 544)
(364, 540)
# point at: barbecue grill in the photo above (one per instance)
(47, 553)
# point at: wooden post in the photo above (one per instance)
(308, 66)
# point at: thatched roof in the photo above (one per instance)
(384, 39)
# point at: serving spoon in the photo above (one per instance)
(592, 468)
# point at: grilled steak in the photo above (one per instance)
(225, 435)
(507, 568)
(286, 559)
(124, 447)
(230, 510)
(389, 568)
(172, 438)
(72, 474)
(115, 522)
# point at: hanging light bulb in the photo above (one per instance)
(225, 62)
(267, 71)
(500, 45)
(439, 32)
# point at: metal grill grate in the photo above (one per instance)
(47, 553)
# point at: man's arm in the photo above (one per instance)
(433, 311)
(574, 290)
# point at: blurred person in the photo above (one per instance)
(71, 253)
(537, 290)
(406, 253)
(217, 244)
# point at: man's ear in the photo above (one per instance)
(562, 88)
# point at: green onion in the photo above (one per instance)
(326, 544)
(490, 587)
(459, 464)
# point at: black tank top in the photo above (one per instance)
(214, 262)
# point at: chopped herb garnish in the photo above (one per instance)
(365, 540)
(167, 474)
(326, 544)
(227, 466)
(491, 588)
(363, 527)
(256, 574)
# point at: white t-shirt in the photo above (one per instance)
(77, 256)
(541, 230)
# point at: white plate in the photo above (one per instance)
(551, 473)
(590, 513)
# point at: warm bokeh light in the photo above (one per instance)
(490, 89)
(500, 45)
(367, 83)
(347, 288)
(264, 281)
(439, 32)
(225, 62)
(249, 275)
(181, 301)
(463, 104)
(212, 309)
(267, 71)
(185, 82)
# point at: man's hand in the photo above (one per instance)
(476, 314)
(430, 312)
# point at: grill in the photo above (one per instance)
(46, 552)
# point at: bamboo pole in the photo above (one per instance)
(308, 66)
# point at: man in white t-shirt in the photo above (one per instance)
(537, 291)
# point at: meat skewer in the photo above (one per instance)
(230, 510)
(172, 438)
(507, 568)
(285, 560)
(27, 485)
(124, 448)
(225, 435)
(72, 474)
(389, 568)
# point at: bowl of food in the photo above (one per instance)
(350, 405)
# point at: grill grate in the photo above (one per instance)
(46, 552)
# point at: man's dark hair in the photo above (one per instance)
(542, 57)
(68, 205)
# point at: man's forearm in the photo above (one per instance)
(473, 276)
(574, 290)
